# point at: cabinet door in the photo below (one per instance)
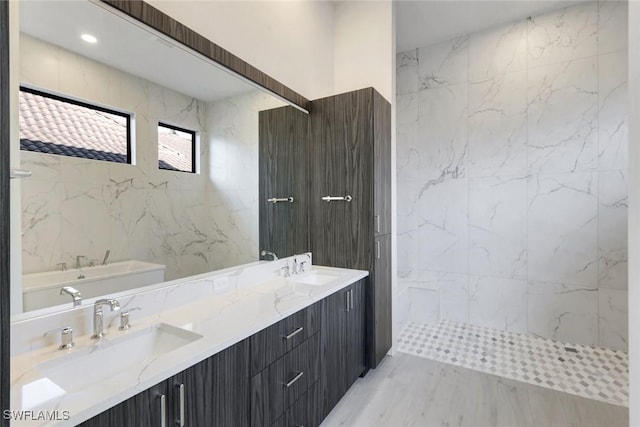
(334, 350)
(355, 332)
(283, 160)
(342, 164)
(142, 410)
(382, 165)
(215, 391)
(379, 303)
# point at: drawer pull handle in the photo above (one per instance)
(163, 410)
(346, 198)
(275, 200)
(180, 420)
(294, 379)
(294, 333)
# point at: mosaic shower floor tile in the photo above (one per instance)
(586, 371)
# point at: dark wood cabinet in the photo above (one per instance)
(145, 409)
(351, 155)
(214, 392)
(283, 173)
(343, 341)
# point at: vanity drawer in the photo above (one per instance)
(273, 342)
(304, 412)
(276, 388)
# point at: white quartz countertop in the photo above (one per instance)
(222, 320)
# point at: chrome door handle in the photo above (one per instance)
(348, 294)
(294, 379)
(180, 420)
(346, 198)
(275, 200)
(294, 333)
(19, 173)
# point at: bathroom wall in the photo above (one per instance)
(192, 223)
(512, 177)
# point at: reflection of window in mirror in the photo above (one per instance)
(54, 124)
(176, 148)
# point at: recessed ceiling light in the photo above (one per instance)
(89, 38)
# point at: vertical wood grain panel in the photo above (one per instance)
(5, 286)
(342, 164)
(283, 172)
(382, 159)
(380, 299)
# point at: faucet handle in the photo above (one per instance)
(124, 318)
(66, 337)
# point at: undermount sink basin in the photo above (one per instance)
(316, 278)
(89, 366)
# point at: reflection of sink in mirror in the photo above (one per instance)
(315, 278)
(89, 366)
(43, 289)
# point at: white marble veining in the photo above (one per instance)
(256, 298)
(192, 223)
(512, 162)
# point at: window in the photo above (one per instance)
(176, 148)
(57, 125)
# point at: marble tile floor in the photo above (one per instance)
(406, 390)
(587, 371)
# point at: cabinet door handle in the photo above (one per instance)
(275, 200)
(346, 198)
(376, 220)
(180, 420)
(294, 379)
(351, 298)
(377, 249)
(163, 410)
(294, 333)
(348, 294)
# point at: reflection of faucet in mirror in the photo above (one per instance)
(78, 258)
(74, 293)
(268, 253)
(98, 316)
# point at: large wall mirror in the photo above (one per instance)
(179, 199)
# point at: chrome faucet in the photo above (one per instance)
(98, 316)
(271, 254)
(78, 258)
(74, 293)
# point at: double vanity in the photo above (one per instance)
(268, 343)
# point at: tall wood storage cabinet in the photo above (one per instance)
(350, 153)
(347, 153)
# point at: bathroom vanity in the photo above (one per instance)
(243, 346)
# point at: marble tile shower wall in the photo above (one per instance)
(512, 175)
(192, 223)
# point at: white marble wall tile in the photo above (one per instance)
(129, 221)
(407, 72)
(424, 305)
(612, 230)
(498, 227)
(444, 63)
(44, 167)
(563, 312)
(454, 296)
(562, 229)
(409, 210)
(498, 51)
(443, 228)
(404, 307)
(613, 25)
(39, 63)
(407, 124)
(41, 225)
(442, 133)
(498, 303)
(408, 254)
(613, 135)
(613, 319)
(562, 117)
(498, 125)
(563, 35)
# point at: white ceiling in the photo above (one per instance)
(425, 22)
(128, 47)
